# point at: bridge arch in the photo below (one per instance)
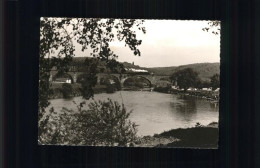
(136, 80)
(62, 78)
(109, 79)
(81, 77)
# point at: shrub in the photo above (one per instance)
(162, 89)
(198, 125)
(57, 129)
(103, 123)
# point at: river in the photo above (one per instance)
(156, 112)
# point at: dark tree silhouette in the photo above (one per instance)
(214, 81)
(66, 90)
(58, 37)
(185, 78)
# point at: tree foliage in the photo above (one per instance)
(103, 123)
(185, 78)
(57, 127)
(214, 27)
(215, 82)
(106, 122)
(58, 37)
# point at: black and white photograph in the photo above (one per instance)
(129, 82)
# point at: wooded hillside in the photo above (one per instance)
(205, 70)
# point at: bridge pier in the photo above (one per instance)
(50, 78)
(74, 78)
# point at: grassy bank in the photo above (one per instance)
(196, 137)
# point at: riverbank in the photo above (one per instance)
(208, 95)
(202, 94)
(195, 137)
(56, 90)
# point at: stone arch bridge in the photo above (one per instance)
(74, 76)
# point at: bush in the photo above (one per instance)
(103, 123)
(162, 89)
(66, 90)
(57, 129)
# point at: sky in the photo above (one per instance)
(170, 43)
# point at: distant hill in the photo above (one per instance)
(205, 70)
(163, 70)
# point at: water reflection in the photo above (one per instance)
(184, 108)
(214, 106)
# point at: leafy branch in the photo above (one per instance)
(214, 27)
